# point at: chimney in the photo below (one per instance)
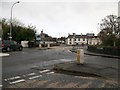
(73, 34)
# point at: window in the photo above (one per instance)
(74, 39)
(70, 42)
(70, 39)
(83, 39)
(90, 43)
(78, 39)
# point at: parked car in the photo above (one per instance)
(8, 45)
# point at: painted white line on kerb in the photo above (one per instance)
(44, 71)
(18, 81)
(34, 77)
(4, 54)
(50, 73)
(17, 77)
(29, 74)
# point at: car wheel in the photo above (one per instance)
(8, 49)
(20, 48)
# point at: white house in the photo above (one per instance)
(89, 39)
(94, 40)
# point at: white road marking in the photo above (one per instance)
(17, 77)
(44, 71)
(0, 86)
(50, 73)
(4, 54)
(34, 77)
(18, 81)
(66, 60)
(29, 74)
(5, 79)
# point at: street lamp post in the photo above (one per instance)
(11, 20)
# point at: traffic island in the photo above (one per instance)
(87, 70)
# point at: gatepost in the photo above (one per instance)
(40, 45)
(48, 45)
(80, 56)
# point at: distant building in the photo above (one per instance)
(38, 38)
(44, 38)
(88, 39)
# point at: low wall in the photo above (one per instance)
(24, 43)
(105, 50)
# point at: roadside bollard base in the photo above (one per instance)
(80, 64)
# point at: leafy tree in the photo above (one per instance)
(6, 28)
(109, 30)
(19, 31)
(63, 38)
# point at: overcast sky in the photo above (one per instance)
(58, 17)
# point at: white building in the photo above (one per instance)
(89, 39)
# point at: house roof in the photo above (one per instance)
(77, 36)
(49, 39)
(81, 36)
(90, 34)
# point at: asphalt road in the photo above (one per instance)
(22, 63)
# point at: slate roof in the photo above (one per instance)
(81, 36)
(76, 36)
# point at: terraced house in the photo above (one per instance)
(88, 39)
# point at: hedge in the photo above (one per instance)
(105, 50)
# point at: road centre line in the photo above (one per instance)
(44, 71)
(18, 81)
(34, 77)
